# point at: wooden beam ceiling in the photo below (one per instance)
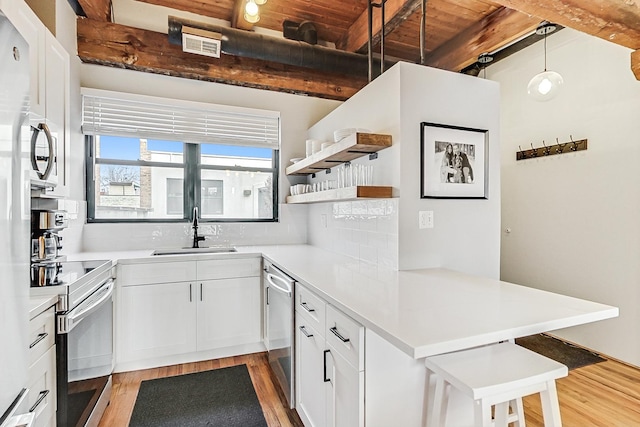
(494, 31)
(120, 46)
(616, 21)
(99, 10)
(396, 12)
(635, 64)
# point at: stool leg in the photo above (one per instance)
(438, 415)
(482, 413)
(518, 412)
(501, 414)
(550, 405)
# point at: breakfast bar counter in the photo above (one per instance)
(431, 311)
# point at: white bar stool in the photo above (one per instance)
(497, 374)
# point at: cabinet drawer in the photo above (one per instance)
(228, 268)
(41, 334)
(42, 387)
(311, 307)
(346, 336)
(165, 272)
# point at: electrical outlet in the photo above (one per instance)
(425, 219)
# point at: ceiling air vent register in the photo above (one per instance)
(201, 42)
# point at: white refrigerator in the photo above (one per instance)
(14, 219)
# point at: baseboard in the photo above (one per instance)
(176, 359)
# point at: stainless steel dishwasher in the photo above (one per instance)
(279, 289)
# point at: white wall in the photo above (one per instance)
(574, 217)
(466, 236)
(297, 114)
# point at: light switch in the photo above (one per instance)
(425, 219)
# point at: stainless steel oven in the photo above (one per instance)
(84, 338)
(279, 336)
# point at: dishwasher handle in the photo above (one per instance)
(287, 285)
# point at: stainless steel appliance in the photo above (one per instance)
(46, 241)
(279, 329)
(14, 220)
(44, 160)
(84, 336)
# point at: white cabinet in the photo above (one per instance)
(329, 364)
(156, 320)
(228, 312)
(49, 96)
(186, 309)
(42, 369)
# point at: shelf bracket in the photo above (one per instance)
(373, 156)
(327, 171)
(313, 175)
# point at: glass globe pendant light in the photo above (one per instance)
(545, 85)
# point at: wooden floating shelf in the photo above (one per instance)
(350, 148)
(343, 194)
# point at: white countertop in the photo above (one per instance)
(38, 304)
(422, 312)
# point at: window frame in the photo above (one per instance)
(192, 174)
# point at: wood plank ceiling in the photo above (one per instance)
(457, 31)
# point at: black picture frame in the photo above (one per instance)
(454, 162)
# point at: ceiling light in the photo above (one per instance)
(251, 8)
(545, 85)
(251, 12)
(260, 2)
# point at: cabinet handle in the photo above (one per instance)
(200, 291)
(38, 339)
(335, 332)
(304, 331)
(267, 289)
(324, 360)
(190, 293)
(306, 307)
(41, 397)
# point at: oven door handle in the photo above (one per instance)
(69, 321)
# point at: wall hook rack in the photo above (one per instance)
(550, 150)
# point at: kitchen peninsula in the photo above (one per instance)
(409, 315)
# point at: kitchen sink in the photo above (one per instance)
(182, 251)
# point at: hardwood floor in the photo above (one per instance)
(126, 385)
(606, 394)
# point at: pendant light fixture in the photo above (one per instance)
(251, 12)
(545, 85)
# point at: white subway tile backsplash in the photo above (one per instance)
(366, 230)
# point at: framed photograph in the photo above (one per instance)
(453, 162)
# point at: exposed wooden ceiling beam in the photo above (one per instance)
(396, 12)
(99, 10)
(635, 63)
(132, 48)
(491, 33)
(237, 19)
(617, 21)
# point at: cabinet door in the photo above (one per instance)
(345, 394)
(156, 320)
(310, 385)
(34, 32)
(228, 312)
(58, 108)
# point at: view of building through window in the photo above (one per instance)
(140, 179)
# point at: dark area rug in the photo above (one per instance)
(221, 397)
(567, 354)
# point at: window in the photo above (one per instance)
(133, 177)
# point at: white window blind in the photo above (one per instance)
(123, 114)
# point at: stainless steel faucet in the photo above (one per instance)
(196, 238)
